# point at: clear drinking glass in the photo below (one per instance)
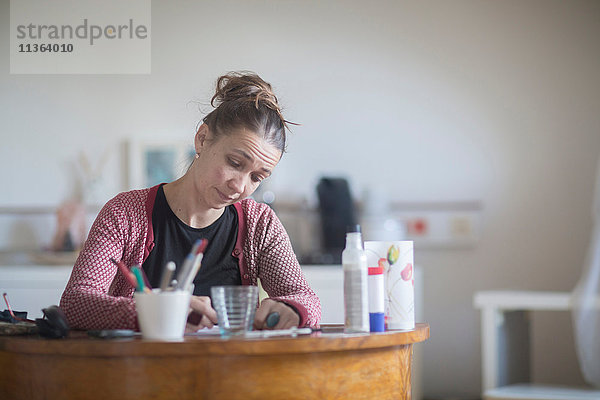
(235, 307)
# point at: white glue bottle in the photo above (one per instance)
(376, 300)
(356, 300)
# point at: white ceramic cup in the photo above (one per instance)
(162, 315)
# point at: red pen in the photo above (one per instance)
(196, 265)
(126, 272)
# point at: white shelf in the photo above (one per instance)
(523, 300)
(541, 392)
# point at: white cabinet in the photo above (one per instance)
(33, 287)
(328, 282)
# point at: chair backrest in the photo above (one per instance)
(597, 195)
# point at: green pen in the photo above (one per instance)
(138, 276)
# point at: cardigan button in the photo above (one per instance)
(236, 252)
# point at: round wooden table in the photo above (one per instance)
(324, 365)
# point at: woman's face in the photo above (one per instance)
(230, 168)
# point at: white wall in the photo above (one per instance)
(497, 101)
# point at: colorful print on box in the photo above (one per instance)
(396, 258)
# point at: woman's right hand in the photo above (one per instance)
(201, 315)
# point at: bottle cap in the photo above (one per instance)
(375, 270)
(353, 228)
(377, 322)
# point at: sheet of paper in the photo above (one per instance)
(214, 331)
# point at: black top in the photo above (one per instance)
(173, 240)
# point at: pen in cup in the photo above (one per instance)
(126, 272)
(195, 268)
(167, 275)
(141, 286)
(145, 278)
(191, 265)
(187, 265)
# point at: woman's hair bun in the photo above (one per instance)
(244, 86)
(244, 99)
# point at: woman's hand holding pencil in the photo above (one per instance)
(201, 315)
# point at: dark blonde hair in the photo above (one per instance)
(244, 100)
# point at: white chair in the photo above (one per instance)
(505, 332)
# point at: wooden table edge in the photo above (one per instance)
(80, 345)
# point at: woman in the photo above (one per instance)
(237, 146)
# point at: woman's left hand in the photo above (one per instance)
(288, 318)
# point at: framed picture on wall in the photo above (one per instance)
(151, 163)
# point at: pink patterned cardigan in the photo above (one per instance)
(97, 296)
